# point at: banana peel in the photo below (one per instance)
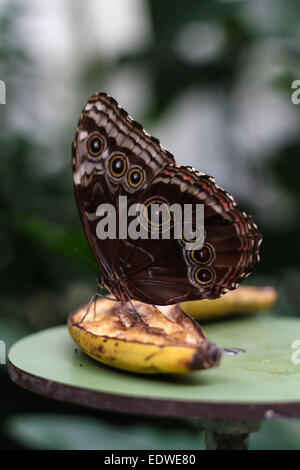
(148, 340)
(243, 300)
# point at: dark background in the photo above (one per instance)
(212, 80)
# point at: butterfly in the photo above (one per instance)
(113, 156)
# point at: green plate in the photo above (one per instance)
(263, 382)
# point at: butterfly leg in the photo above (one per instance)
(94, 299)
(95, 302)
(134, 310)
(106, 297)
(88, 309)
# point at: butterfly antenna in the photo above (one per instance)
(87, 259)
(89, 265)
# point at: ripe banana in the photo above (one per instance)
(149, 340)
(243, 300)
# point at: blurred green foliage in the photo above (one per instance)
(43, 250)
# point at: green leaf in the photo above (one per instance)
(62, 432)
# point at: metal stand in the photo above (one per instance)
(228, 435)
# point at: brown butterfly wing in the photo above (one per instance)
(105, 132)
(155, 271)
(229, 253)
